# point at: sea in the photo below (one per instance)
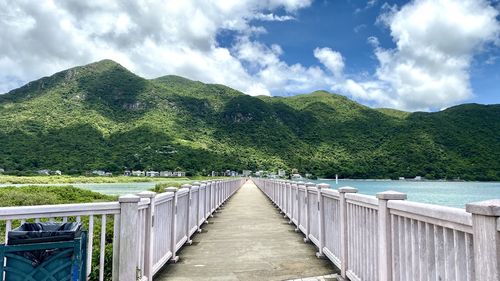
(447, 193)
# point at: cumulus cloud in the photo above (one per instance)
(331, 59)
(436, 41)
(277, 76)
(38, 38)
(428, 69)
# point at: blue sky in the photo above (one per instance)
(410, 55)
(345, 26)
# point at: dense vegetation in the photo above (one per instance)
(101, 116)
(46, 195)
(10, 179)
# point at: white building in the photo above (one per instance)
(246, 173)
(2, 171)
(281, 173)
(99, 173)
(152, 174)
(138, 173)
(165, 174)
(44, 172)
(57, 173)
(179, 174)
(127, 173)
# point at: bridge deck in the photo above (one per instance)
(247, 240)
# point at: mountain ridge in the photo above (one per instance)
(102, 116)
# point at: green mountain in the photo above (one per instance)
(102, 116)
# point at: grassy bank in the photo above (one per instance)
(37, 195)
(8, 179)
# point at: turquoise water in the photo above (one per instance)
(453, 194)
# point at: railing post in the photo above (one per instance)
(286, 199)
(384, 233)
(486, 238)
(293, 199)
(299, 210)
(197, 207)
(129, 218)
(148, 236)
(308, 211)
(208, 200)
(189, 210)
(216, 187)
(343, 229)
(321, 220)
(173, 229)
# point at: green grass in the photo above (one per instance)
(45, 195)
(8, 179)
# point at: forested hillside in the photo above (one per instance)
(101, 116)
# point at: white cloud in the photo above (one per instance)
(369, 4)
(278, 77)
(38, 38)
(436, 41)
(331, 59)
(272, 17)
(435, 44)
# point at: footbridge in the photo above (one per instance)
(261, 229)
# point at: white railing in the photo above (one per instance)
(148, 228)
(386, 238)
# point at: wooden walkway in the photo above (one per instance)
(247, 240)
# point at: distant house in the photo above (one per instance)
(138, 173)
(259, 173)
(57, 173)
(127, 173)
(246, 173)
(179, 174)
(418, 178)
(165, 173)
(2, 171)
(281, 173)
(152, 174)
(401, 178)
(296, 177)
(272, 175)
(308, 175)
(108, 174)
(233, 174)
(44, 172)
(100, 173)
